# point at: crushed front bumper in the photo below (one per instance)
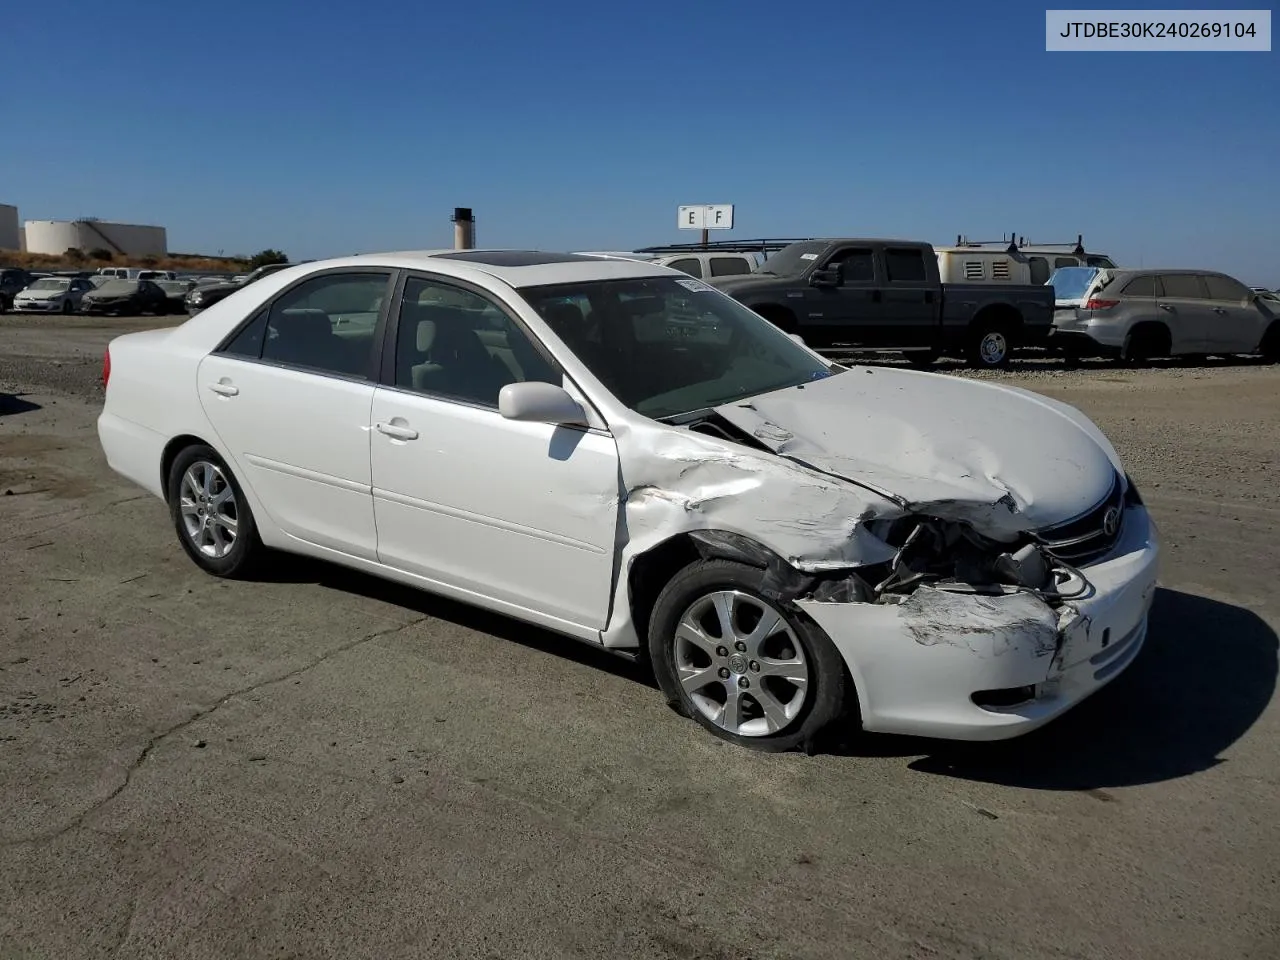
(922, 667)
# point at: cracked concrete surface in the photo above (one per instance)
(315, 764)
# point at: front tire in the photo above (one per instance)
(749, 670)
(214, 523)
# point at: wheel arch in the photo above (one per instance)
(1004, 316)
(1157, 331)
(170, 454)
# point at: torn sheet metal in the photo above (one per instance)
(675, 481)
(1006, 461)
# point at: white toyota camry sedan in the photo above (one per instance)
(619, 453)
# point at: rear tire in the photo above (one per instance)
(1144, 344)
(990, 347)
(1270, 345)
(67, 308)
(770, 690)
(211, 515)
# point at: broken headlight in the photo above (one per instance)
(946, 552)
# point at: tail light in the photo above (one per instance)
(106, 367)
(1096, 304)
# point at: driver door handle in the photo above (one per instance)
(397, 431)
(224, 389)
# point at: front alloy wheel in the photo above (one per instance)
(747, 669)
(740, 664)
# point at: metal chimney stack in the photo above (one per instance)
(464, 229)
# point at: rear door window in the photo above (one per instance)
(1183, 286)
(905, 265)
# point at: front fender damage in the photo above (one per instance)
(812, 533)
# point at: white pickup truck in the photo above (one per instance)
(696, 263)
(1013, 262)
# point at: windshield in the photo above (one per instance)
(173, 286)
(118, 287)
(666, 345)
(794, 259)
(1070, 283)
(50, 283)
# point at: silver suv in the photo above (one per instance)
(1141, 314)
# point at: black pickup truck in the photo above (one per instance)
(887, 295)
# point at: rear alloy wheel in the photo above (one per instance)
(214, 523)
(1270, 346)
(989, 348)
(745, 668)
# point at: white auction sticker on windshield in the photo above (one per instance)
(697, 286)
(808, 256)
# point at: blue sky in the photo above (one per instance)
(330, 127)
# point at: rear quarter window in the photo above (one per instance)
(729, 266)
(1140, 287)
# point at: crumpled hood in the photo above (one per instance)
(1003, 459)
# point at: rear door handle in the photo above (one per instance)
(224, 389)
(397, 431)
(1219, 310)
(1165, 306)
(875, 296)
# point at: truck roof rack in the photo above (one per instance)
(1014, 243)
(724, 246)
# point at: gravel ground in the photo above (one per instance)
(318, 764)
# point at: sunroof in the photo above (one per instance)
(513, 258)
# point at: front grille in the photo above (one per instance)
(1084, 539)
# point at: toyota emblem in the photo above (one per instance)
(1111, 521)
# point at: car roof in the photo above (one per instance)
(517, 268)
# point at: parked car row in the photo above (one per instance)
(980, 301)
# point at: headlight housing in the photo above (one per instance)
(948, 552)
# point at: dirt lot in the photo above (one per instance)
(321, 765)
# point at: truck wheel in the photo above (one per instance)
(1270, 345)
(989, 347)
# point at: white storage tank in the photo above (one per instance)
(10, 234)
(122, 239)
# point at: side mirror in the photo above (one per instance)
(828, 277)
(797, 338)
(540, 403)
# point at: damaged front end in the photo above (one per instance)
(950, 625)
